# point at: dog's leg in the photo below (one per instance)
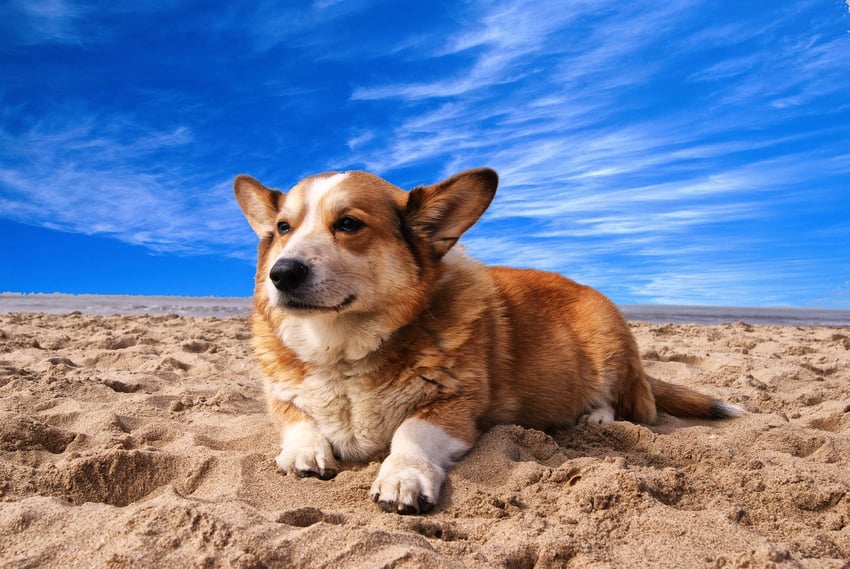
(304, 451)
(411, 477)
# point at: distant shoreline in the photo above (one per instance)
(784, 316)
(223, 307)
(108, 304)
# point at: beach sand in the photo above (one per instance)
(142, 441)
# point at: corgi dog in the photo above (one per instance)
(375, 333)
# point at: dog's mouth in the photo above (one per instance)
(299, 305)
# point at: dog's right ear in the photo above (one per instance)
(259, 203)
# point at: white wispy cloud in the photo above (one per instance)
(568, 161)
(30, 22)
(634, 141)
(710, 284)
(67, 22)
(271, 24)
(578, 128)
(655, 223)
(746, 281)
(575, 92)
(86, 176)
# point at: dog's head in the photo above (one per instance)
(354, 243)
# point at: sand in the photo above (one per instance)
(142, 441)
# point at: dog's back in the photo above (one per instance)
(572, 353)
(556, 350)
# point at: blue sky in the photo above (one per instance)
(684, 152)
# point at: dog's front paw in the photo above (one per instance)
(407, 485)
(305, 452)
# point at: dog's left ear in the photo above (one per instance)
(259, 203)
(444, 211)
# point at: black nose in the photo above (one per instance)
(288, 274)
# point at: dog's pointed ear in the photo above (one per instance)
(444, 211)
(259, 203)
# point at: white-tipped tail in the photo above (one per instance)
(721, 410)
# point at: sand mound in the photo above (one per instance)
(142, 441)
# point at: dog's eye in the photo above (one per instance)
(283, 227)
(348, 224)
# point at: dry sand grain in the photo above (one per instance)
(142, 441)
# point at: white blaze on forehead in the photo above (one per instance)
(313, 196)
(317, 189)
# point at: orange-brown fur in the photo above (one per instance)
(454, 343)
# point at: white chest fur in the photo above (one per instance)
(325, 340)
(355, 416)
